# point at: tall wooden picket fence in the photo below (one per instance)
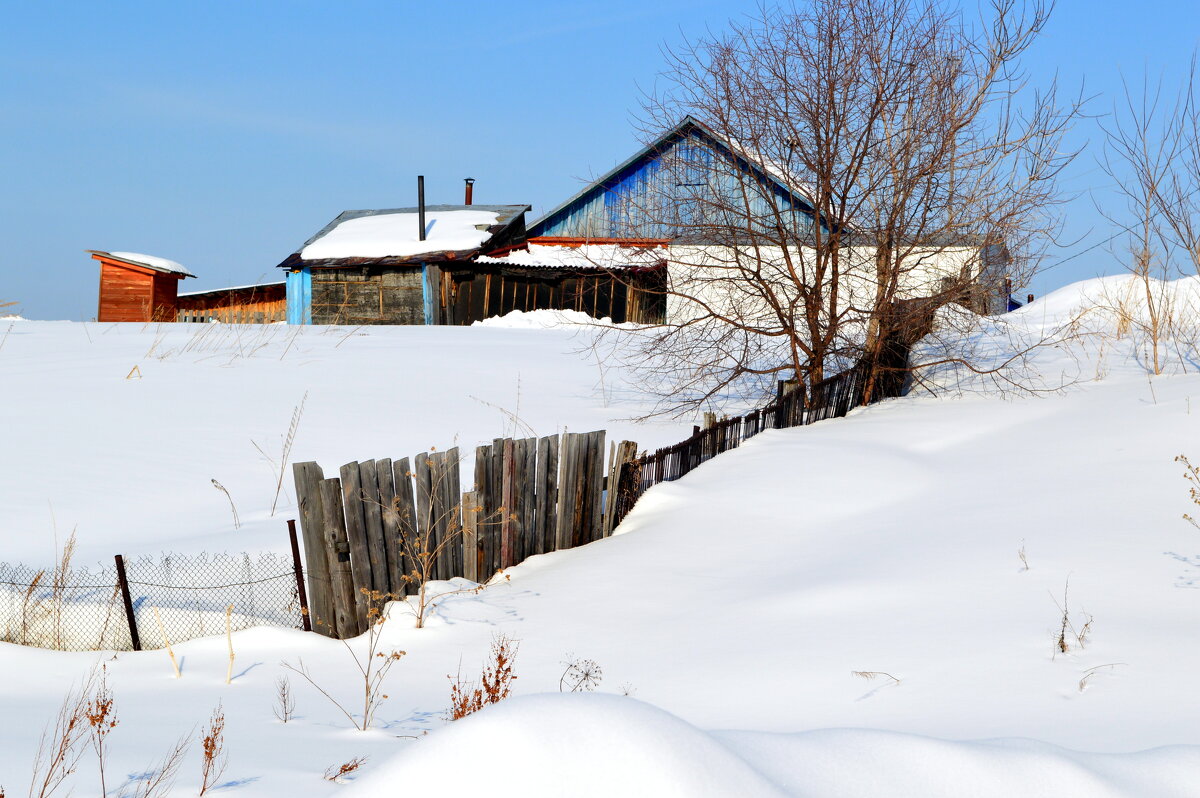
(382, 526)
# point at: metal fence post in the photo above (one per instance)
(304, 614)
(123, 582)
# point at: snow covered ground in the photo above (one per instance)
(925, 542)
(127, 457)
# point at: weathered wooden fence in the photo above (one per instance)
(383, 527)
(831, 398)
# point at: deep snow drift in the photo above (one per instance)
(925, 542)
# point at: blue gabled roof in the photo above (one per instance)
(637, 169)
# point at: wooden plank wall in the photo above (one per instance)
(381, 527)
(260, 313)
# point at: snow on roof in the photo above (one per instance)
(232, 288)
(587, 256)
(396, 235)
(151, 262)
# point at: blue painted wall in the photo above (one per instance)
(669, 191)
(299, 296)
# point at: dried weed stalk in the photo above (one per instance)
(495, 682)
(1090, 672)
(337, 773)
(1078, 637)
(60, 746)
(373, 665)
(101, 716)
(872, 675)
(237, 524)
(215, 760)
(280, 466)
(158, 780)
(1192, 474)
(285, 702)
(581, 675)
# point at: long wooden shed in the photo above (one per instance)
(137, 287)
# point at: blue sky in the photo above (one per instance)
(223, 134)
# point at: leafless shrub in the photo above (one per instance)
(158, 780)
(581, 675)
(215, 759)
(1021, 554)
(373, 665)
(285, 702)
(337, 773)
(495, 682)
(60, 746)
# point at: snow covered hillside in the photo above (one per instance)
(866, 606)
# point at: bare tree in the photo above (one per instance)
(1179, 197)
(918, 169)
(1152, 154)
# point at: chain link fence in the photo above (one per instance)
(83, 609)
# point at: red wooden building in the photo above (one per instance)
(136, 287)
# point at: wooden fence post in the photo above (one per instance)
(622, 453)
(356, 536)
(373, 526)
(308, 477)
(487, 504)
(447, 497)
(508, 521)
(123, 583)
(545, 488)
(472, 560)
(567, 521)
(406, 518)
(337, 550)
(390, 526)
(595, 477)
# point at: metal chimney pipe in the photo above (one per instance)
(470, 181)
(1030, 298)
(421, 207)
